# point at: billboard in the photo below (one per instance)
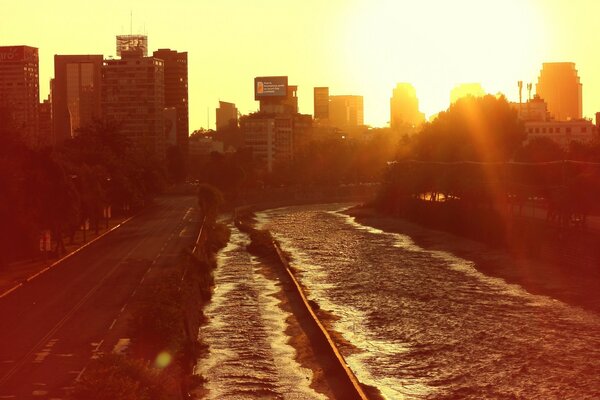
(270, 86)
(132, 43)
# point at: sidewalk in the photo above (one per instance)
(21, 271)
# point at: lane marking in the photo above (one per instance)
(68, 315)
(56, 263)
(121, 346)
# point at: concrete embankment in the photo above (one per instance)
(340, 378)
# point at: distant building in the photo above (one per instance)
(563, 132)
(76, 93)
(19, 90)
(227, 116)
(176, 91)
(203, 147)
(559, 85)
(346, 111)
(535, 109)
(465, 90)
(321, 103)
(45, 136)
(274, 133)
(133, 95)
(404, 107)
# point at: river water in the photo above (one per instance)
(426, 324)
(248, 355)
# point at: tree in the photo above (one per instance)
(472, 129)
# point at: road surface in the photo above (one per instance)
(53, 326)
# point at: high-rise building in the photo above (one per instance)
(45, 136)
(404, 107)
(559, 85)
(274, 133)
(466, 90)
(76, 97)
(321, 103)
(133, 95)
(227, 116)
(20, 91)
(176, 91)
(346, 111)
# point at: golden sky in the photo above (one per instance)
(353, 46)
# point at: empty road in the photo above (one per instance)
(53, 326)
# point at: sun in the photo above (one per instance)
(436, 45)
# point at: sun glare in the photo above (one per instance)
(436, 45)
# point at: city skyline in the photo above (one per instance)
(347, 46)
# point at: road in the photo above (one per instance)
(53, 326)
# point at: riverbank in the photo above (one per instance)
(575, 286)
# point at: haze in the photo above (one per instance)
(352, 46)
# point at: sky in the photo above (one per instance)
(361, 47)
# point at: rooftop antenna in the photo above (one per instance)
(529, 88)
(520, 83)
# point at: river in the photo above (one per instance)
(426, 324)
(248, 352)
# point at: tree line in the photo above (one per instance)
(65, 187)
(475, 155)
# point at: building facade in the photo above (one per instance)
(560, 87)
(346, 111)
(133, 95)
(19, 91)
(227, 116)
(563, 132)
(321, 103)
(176, 91)
(404, 107)
(76, 93)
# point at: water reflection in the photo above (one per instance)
(249, 357)
(428, 324)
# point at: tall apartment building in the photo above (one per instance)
(76, 93)
(19, 91)
(133, 95)
(404, 107)
(176, 91)
(227, 116)
(321, 103)
(559, 85)
(346, 111)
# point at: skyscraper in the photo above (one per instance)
(321, 100)
(465, 90)
(133, 95)
(20, 91)
(227, 115)
(559, 85)
(404, 107)
(176, 91)
(76, 97)
(346, 111)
